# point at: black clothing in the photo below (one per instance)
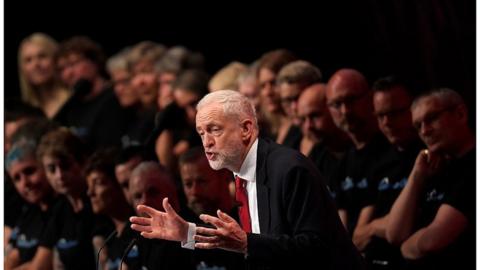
(391, 175)
(293, 138)
(163, 255)
(455, 186)
(30, 231)
(299, 225)
(327, 164)
(355, 177)
(71, 234)
(100, 121)
(117, 246)
(140, 125)
(13, 202)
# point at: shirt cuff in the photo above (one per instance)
(190, 243)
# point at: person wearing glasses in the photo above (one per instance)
(433, 219)
(292, 79)
(391, 102)
(349, 99)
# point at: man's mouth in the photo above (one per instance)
(210, 155)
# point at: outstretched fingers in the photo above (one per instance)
(141, 228)
(206, 231)
(143, 209)
(168, 207)
(223, 216)
(212, 220)
(140, 220)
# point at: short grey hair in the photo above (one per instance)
(446, 96)
(234, 104)
(299, 72)
(151, 167)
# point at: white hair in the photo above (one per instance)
(234, 104)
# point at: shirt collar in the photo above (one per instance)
(249, 165)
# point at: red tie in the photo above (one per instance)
(242, 200)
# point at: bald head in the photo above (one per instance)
(316, 122)
(347, 79)
(314, 94)
(350, 103)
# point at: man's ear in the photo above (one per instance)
(247, 129)
(461, 113)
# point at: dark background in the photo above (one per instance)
(431, 42)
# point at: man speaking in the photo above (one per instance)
(287, 218)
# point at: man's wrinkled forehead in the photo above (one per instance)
(211, 112)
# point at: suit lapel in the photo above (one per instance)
(262, 189)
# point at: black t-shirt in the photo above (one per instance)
(391, 174)
(13, 202)
(355, 178)
(140, 125)
(117, 247)
(71, 234)
(327, 164)
(454, 186)
(30, 231)
(100, 121)
(164, 255)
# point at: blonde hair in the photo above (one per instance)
(227, 77)
(30, 95)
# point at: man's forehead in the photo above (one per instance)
(344, 91)
(309, 108)
(426, 105)
(210, 112)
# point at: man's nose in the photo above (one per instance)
(425, 129)
(207, 141)
(345, 108)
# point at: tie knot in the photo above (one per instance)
(239, 183)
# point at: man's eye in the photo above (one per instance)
(51, 168)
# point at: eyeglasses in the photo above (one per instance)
(431, 117)
(347, 101)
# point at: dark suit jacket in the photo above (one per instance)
(299, 225)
